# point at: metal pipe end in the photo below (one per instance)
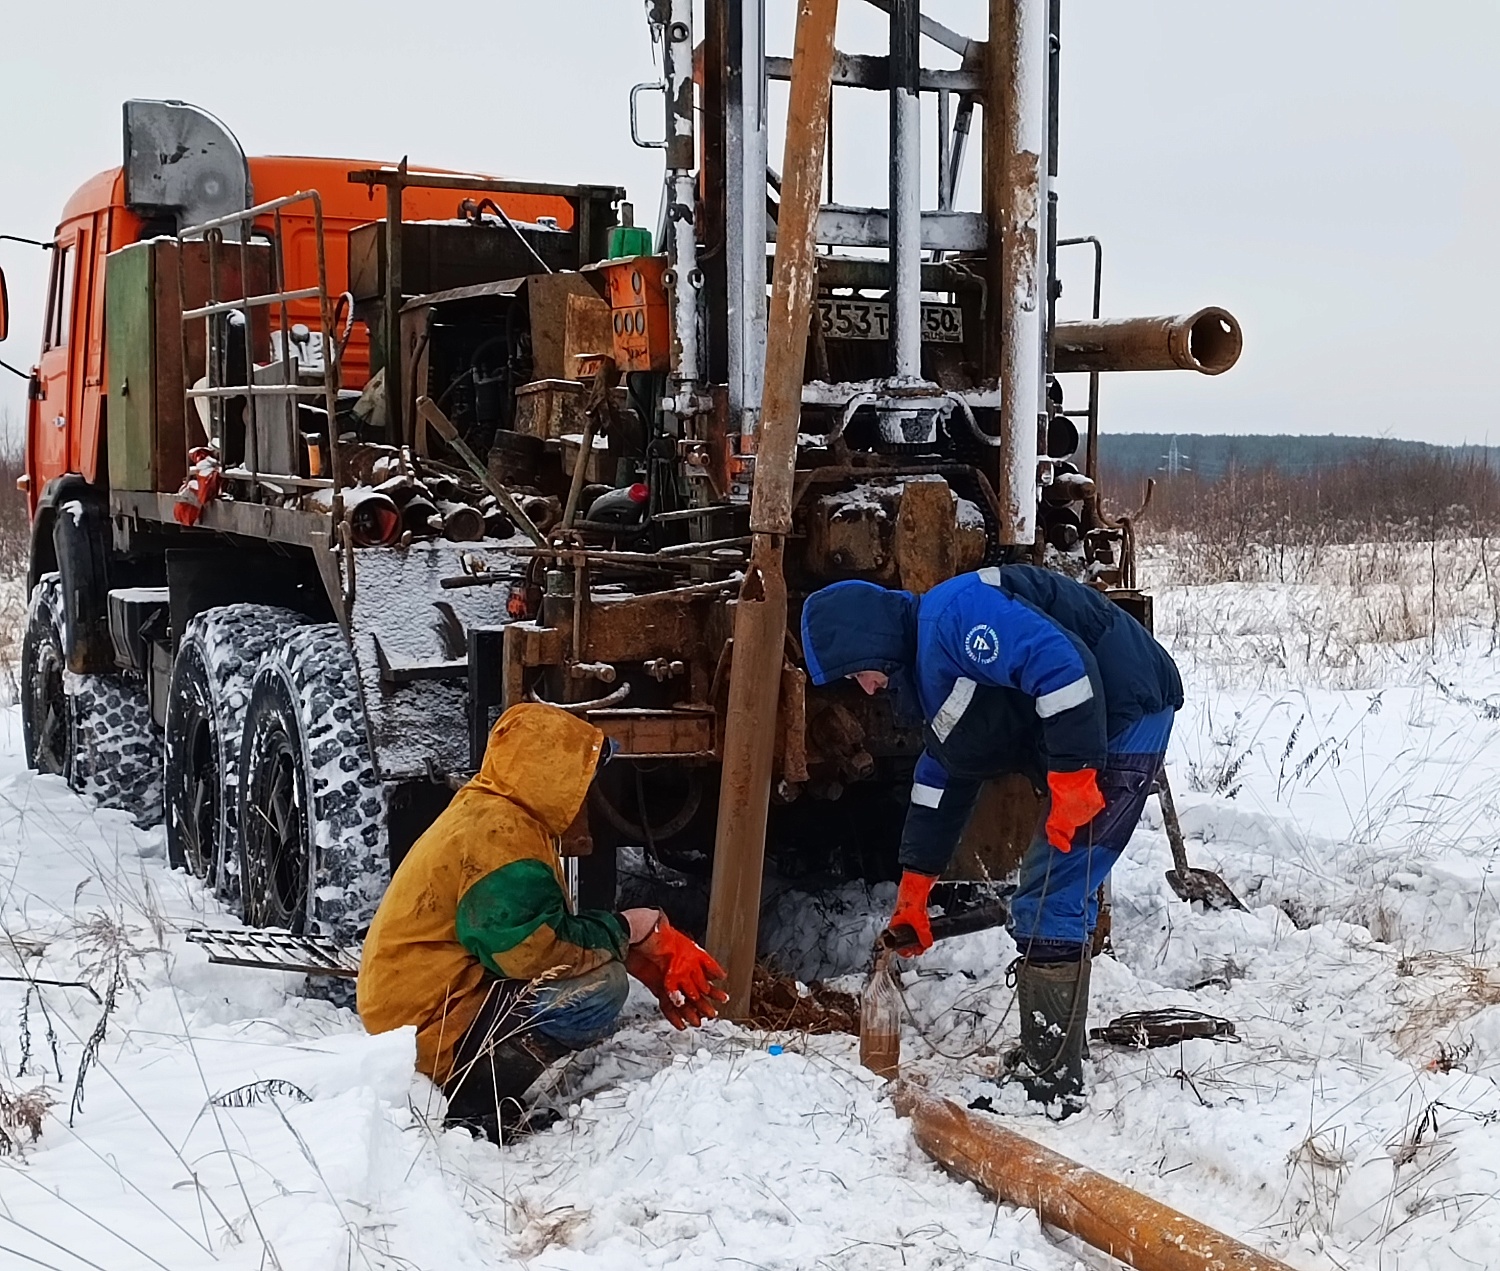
(1209, 341)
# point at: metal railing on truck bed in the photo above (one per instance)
(261, 427)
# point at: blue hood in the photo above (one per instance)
(856, 626)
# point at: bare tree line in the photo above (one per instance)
(1267, 524)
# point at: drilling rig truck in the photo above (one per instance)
(330, 462)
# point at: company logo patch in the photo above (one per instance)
(982, 644)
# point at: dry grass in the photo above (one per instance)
(22, 1113)
(15, 548)
(1265, 525)
(1438, 992)
(1378, 553)
(1349, 611)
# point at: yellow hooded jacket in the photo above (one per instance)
(482, 890)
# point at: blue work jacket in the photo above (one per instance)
(1018, 670)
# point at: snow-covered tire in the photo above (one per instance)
(212, 676)
(95, 730)
(44, 702)
(313, 851)
(115, 746)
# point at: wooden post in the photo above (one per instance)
(1108, 1215)
(760, 613)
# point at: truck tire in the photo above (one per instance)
(94, 730)
(212, 676)
(114, 744)
(313, 853)
(44, 700)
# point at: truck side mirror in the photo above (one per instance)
(4, 308)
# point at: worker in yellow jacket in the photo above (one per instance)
(476, 942)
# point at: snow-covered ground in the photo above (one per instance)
(1348, 791)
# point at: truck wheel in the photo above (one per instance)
(114, 745)
(313, 855)
(211, 681)
(44, 702)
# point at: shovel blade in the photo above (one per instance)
(1203, 885)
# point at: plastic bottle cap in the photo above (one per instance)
(774, 1050)
(639, 492)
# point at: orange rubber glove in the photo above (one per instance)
(652, 976)
(911, 911)
(1075, 802)
(679, 973)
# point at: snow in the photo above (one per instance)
(1346, 790)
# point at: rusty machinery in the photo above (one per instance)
(624, 401)
(692, 426)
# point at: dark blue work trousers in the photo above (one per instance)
(1056, 907)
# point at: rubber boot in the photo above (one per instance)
(490, 1096)
(1054, 1002)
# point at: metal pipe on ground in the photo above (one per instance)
(1121, 1221)
(761, 611)
(1208, 341)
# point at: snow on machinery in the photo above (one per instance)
(324, 649)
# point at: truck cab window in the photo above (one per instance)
(59, 300)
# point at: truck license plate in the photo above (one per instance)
(851, 319)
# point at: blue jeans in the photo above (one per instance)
(579, 1012)
(569, 1014)
(1056, 906)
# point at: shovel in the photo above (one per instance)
(980, 918)
(1190, 884)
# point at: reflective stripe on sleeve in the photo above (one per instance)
(1065, 698)
(926, 796)
(951, 711)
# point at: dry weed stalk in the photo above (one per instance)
(22, 1113)
(1440, 991)
(110, 943)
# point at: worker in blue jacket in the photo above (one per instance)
(1017, 670)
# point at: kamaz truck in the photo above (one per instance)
(331, 461)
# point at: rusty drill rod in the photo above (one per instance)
(1016, 210)
(1208, 341)
(760, 613)
(1121, 1221)
(428, 412)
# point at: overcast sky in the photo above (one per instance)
(1327, 169)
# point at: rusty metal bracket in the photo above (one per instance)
(346, 547)
(411, 672)
(579, 708)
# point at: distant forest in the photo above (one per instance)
(1252, 493)
(1127, 459)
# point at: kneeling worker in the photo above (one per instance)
(476, 944)
(1017, 670)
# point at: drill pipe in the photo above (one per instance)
(1121, 1221)
(760, 613)
(1208, 341)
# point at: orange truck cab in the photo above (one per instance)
(66, 423)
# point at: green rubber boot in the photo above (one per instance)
(1054, 1002)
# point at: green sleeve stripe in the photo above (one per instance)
(510, 904)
